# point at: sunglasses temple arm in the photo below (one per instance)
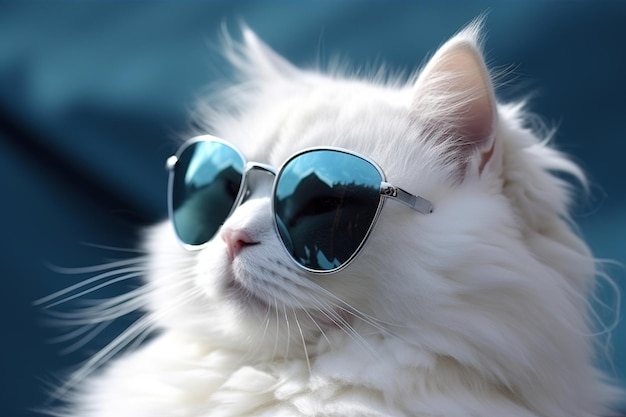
(417, 203)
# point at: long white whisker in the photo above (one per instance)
(306, 352)
(99, 308)
(328, 304)
(105, 354)
(107, 303)
(87, 317)
(130, 273)
(254, 353)
(95, 288)
(348, 308)
(302, 308)
(277, 328)
(345, 326)
(140, 338)
(288, 331)
(86, 339)
(71, 335)
(115, 248)
(97, 268)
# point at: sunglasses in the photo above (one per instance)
(325, 201)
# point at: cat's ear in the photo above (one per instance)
(454, 100)
(262, 60)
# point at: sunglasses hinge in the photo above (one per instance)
(388, 189)
(417, 203)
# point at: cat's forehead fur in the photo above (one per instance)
(354, 115)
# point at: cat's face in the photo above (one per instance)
(260, 296)
(260, 288)
(486, 279)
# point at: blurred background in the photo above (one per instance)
(92, 95)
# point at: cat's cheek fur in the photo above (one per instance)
(172, 292)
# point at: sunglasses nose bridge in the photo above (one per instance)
(258, 166)
(252, 184)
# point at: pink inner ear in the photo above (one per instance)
(470, 86)
(457, 83)
(486, 157)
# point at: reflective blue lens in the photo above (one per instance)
(324, 206)
(205, 185)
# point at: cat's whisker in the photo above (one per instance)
(340, 322)
(288, 333)
(306, 311)
(97, 268)
(260, 335)
(105, 354)
(140, 339)
(95, 316)
(328, 305)
(350, 309)
(116, 248)
(306, 352)
(93, 332)
(102, 305)
(126, 273)
(74, 334)
(277, 335)
(67, 320)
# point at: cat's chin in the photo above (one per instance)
(261, 291)
(235, 290)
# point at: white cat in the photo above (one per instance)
(480, 308)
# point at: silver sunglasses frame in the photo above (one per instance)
(387, 191)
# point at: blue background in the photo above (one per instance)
(93, 93)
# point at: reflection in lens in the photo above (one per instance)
(205, 186)
(325, 203)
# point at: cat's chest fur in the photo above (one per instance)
(175, 375)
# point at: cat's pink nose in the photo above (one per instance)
(235, 241)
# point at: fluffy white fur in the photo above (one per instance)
(478, 309)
